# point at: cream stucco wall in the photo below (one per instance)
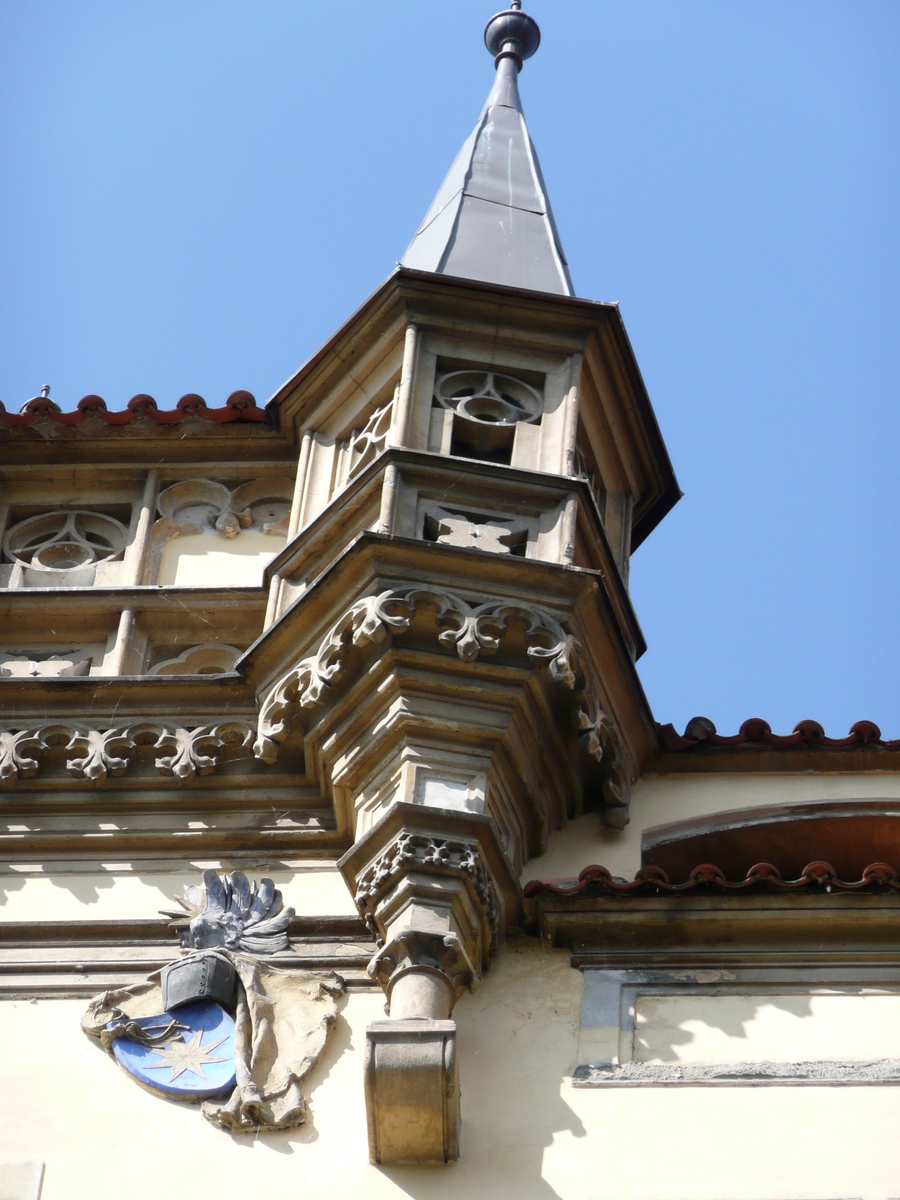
(314, 889)
(211, 560)
(790, 1027)
(658, 799)
(527, 1134)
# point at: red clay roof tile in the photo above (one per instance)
(240, 406)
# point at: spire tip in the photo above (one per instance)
(512, 34)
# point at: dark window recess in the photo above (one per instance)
(517, 542)
(485, 442)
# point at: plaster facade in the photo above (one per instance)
(526, 1131)
(350, 682)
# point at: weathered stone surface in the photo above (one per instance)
(412, 1091)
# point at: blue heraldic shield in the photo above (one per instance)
(195, 1062)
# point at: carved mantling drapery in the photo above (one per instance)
(436, 889)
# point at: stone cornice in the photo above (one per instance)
(81, 958)
(720, 928)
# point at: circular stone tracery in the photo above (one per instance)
(64, 540)
(488, 397)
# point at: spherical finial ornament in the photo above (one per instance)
(512, 34)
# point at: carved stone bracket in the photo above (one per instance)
(436, 889)
(412, 1091)
(97, 754)
(474, 629)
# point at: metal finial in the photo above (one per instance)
(45, 390)
(512, 34)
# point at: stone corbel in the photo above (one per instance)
(435, 888)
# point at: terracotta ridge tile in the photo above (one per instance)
(701, 732)
(240, 406)
(817, 874)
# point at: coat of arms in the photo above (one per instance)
(225, 1024)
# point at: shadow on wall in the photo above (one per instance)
(846, 1023)
(85, 889)
(10, 883)
(517, 1042)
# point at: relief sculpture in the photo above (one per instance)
(225, 1025)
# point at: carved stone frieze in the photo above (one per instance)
(203, 504)
(97, 754)
(474, 629)
(305, 685)
(443, 855)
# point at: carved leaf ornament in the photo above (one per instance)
(474, 629)
(95, 754)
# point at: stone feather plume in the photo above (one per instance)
(234, 913)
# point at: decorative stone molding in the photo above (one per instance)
(475, 629)
(450, 856)
(211, 658)
(62, 547)
(95, 754)
(488, 397)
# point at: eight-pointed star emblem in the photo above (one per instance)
(186, 1056)
(197, 1068)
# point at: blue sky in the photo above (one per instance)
(193, 196)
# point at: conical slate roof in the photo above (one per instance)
(491, 219)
